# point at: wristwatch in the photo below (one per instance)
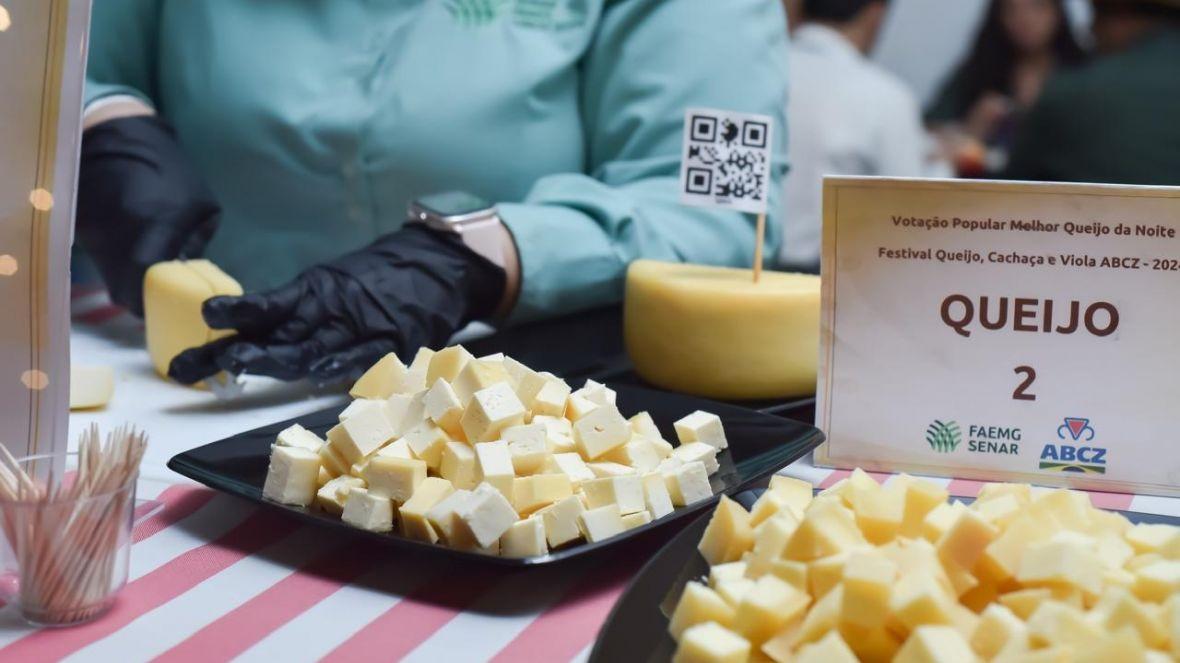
(473, 219)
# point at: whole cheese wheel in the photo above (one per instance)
(173, 293)
(713, 332)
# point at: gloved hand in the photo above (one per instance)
(139, 203)
(409, 289)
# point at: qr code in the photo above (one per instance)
(726, 160)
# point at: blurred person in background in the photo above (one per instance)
(1116, 119)
(1018, 46)
(847, 116)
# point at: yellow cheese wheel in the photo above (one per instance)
(713, 332)
(173, 293)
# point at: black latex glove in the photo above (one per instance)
(139, 202)
(409, 289)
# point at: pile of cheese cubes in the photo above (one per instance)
(488, 455)
(896, 573)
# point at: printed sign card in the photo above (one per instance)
(1002, 331)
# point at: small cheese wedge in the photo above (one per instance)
(601, 431)
(688, 484)
(413, 515)
(601, 523)
(368, 511)
(525, 538)
(701, 427)
(697, 605)
(728, 535)
(624, 491)
(331, 496)
(561, 521)
(291, 477)
(711, 643)
(486, 514)
(491, 411)
(381, 380)
(395, 478)
(91, 387)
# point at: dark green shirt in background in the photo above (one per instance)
(1114, 120)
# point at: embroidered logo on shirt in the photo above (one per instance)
(551, 15)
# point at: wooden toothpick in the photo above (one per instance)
(759, 240)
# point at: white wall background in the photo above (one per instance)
(924, 39)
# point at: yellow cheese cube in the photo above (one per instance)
(699, 604)
(879, 515)
(1024, 602)
(1021, 492)
(443, 519)
(998, 511)
(1069, 508)
(331, 496)
(826, 529)
(443, 407)
(768, 607)
(458, 465)
(381, 380)
(829, 649)
(822, 618)
(561, 521)
(529, 447)
(427, 441)
(734, 590)
(825, 574)
(1061, 562)
(1157, 581)
(601, 523)
(769, 505)
(1117, 608)
(794, 573)
(728, 535)
(868, 579)
(1152, 538)
(633, 520)
(538, 491)
(998, 626)
(413, 514)
(703, 427)
(655, 495)
(368, 511)
(966, 539)
(1001, 559)
(493, 463)
(491, 411)
(711, 643)
(796, 492)
(291, 477)
(920, 599)
(1113, 551)
(173, 293)
(525, 538)
(414, 379)
(921, 497)
(601, 431)
(727, 571)
(447, 363)
(624, 491)
(940, 519)
(395, 478)
(770, 540)
(870, 644)
(934, 644)
(571, 465)
(1054, 623)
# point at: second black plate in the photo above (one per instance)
(759, 445)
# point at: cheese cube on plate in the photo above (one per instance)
(405, 411)
(1061, 562)
(571, 465)
(1157, 581)
(332, 461)
(699, 604)
(486, 514)
(727, 571)
(298, 436)
(829, 649)
(525, 538)
(491, 411)
(728, 535)
(638, 453)
(368, 511)
(458, 465)
(597, 393)
(561, 521)
(538, 491)
(447, 363)
(413, 514)
(633, 520)
(655, 495)
(394, 478)
(396, 449)
(555, 425)
(998, 626)
(966, 539)
(770, 540)
(331, 496)
(701, 427)
(688, 484)
(476, 376)
(601, 523)
(600, 431)
(577, 407)
(605, 469)
(528, 385)
(828, 528)
(443, 407)
(414, 379)
(768, 607)
(361, 434)
(934, 644)
(291, 478)
(427, 441)
(356, 406)
(868, 579)
(529, 447)
(551, 399)
(711, 643)
(323, 477)
(493, 463)
(381, 380)
(443, 519)
(624, 491)
(642, 424)
(918, 598)
(698, 452)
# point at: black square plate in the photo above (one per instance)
(759, 445)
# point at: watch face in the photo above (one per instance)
(452, 204)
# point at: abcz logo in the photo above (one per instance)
(1074, 453)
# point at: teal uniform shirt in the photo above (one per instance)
(315, 122)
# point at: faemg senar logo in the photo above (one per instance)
(944, 436)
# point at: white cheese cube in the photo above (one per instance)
(298, 436)
(368, 511)
(626, 492)
(638, 453)
(551, 399)
(427, 441)
(443, 407)
(487, 514)
(493, 463)
(443, 519)
(396, 449)
(698, 452)
(529, 447)
(395, 478)
(525, 538)
(701, 427)
(332, 461)
(447, 363)
(633, 520)
(538, 491)
(577, 407)
(561, 521)
(572, 466)
(555, 425)
(405, 411)
(490, 412)
(600, 431)
(655, 495)
(291, 477)
(608, 469)
(413, 514)
(515, 369)
(529, 384)
(356, 406)
(458, 465)
(689, 484)
(597, 393)
(642, 424)
(601, 523)
(331, 496)
(361, 434)
(561, 444)
(663, 448)
(477, 376)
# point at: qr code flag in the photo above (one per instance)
(726, 159)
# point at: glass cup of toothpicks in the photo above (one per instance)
(66, 524)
